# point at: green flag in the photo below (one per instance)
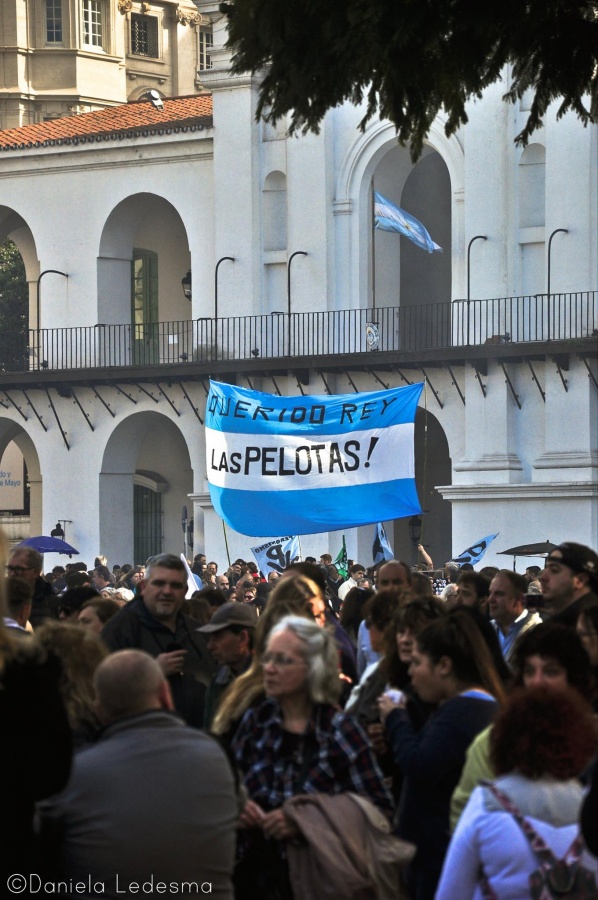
(341, 562)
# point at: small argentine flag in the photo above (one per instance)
(388, 217)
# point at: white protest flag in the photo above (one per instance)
(192, 581)
(381, 549)
(303, 465)
(474, 553)
(276, 555)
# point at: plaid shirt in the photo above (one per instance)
(334, 756)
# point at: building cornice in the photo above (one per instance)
(555, 490)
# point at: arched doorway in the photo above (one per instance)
(145, 481)
(19, 270)
(432, 467)
(143, 255)
(403, 274)
(27, 469)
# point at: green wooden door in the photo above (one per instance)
(144, 307)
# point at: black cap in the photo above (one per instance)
(578, 558)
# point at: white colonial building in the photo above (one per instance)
(282, 271)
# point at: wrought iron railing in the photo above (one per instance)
(409, 328)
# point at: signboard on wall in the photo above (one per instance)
(12, 479)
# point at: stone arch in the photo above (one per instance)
(433, 467)
(352, 206)
(12, 431)
(14, 226)
(144, 442)
(148, 221)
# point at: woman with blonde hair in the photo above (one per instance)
(80, 652)
(291, 596)
(35, 742)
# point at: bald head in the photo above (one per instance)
(393, 576)
(127, 683)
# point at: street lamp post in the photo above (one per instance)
(556, 231)
(291, 258)
(221, 260)
(38, 308)
(478, 237)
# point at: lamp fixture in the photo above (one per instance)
(58, 531)
(186, 283)
(415, 529)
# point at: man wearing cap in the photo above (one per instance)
(569, 582)
(230, 641)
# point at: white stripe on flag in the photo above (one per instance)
(297, 463)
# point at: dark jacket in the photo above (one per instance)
(135, 627)
(570, 614)
(35, 750)
(431, 761)
(44, 604)
(152, 799)
(217, 687)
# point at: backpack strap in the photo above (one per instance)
(561, 871)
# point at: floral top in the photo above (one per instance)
(331, 757)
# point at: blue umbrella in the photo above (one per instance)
(44, 544)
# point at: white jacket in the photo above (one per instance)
(489, 837)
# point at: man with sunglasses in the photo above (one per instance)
(26, 563)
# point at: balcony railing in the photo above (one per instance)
(408, 328)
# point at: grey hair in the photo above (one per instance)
(34, 558)
(165, 561)
(321, 655)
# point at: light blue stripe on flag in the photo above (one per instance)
(303, 465)
(474, 553)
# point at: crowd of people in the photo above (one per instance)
(386, 734)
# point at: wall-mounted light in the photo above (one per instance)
(186, 283)
(59, 531)
(415, 529)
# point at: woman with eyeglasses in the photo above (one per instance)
(295, 742)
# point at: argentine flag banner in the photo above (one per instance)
(388, 217)
(303, 465)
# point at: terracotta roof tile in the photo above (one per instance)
(130, 118)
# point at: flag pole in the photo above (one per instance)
(373, 245)
(226, 543)
(425, 481)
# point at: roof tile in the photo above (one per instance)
(138, 116)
